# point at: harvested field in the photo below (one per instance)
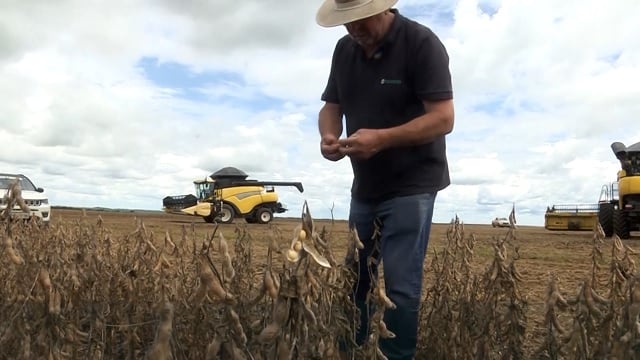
(127, 285)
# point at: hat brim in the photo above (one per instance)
(328, 15)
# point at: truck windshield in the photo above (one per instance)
(25, 184)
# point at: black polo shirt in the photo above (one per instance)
(387, 90)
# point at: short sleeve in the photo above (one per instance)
(431, 74)
(330, 93)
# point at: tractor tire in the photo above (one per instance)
(227, 214)
(605, 218)
(621, 224)
(264, 216)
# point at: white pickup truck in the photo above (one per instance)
(34, 197)
(500, 222)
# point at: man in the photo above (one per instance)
(390, 79)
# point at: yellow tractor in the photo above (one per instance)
(619, 205)
(227, 194)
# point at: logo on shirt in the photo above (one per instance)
(390, 82)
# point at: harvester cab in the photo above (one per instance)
(227, 194)
(619, 204)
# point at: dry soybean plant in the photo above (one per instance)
(377, 301)
(469, 315)
(11, 198)
(602, 319)
(308, 298)
(75, 291)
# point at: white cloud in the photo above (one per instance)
(542, 89)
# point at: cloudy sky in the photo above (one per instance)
(119, 103)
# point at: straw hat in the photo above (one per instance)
(340, 12)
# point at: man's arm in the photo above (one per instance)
(330, 120)
(437, 121)
(330, 127)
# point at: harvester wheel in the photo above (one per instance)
(226, 214)
(605, 218)
(621, 224)
(212, 215)
(264, 216)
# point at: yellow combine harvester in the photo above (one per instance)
(620, 201)
(228, 194)
(579, 217)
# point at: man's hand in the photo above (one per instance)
(362, 144)
(330, 148)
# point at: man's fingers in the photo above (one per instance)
(334, 156)
(347, 150)
(345, 142)
(330, 146)
(331, 151)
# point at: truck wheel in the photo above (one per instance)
(605, 218)
(264, 216)
(621, 224)
(226, 214)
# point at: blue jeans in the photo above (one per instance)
(405, 224)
